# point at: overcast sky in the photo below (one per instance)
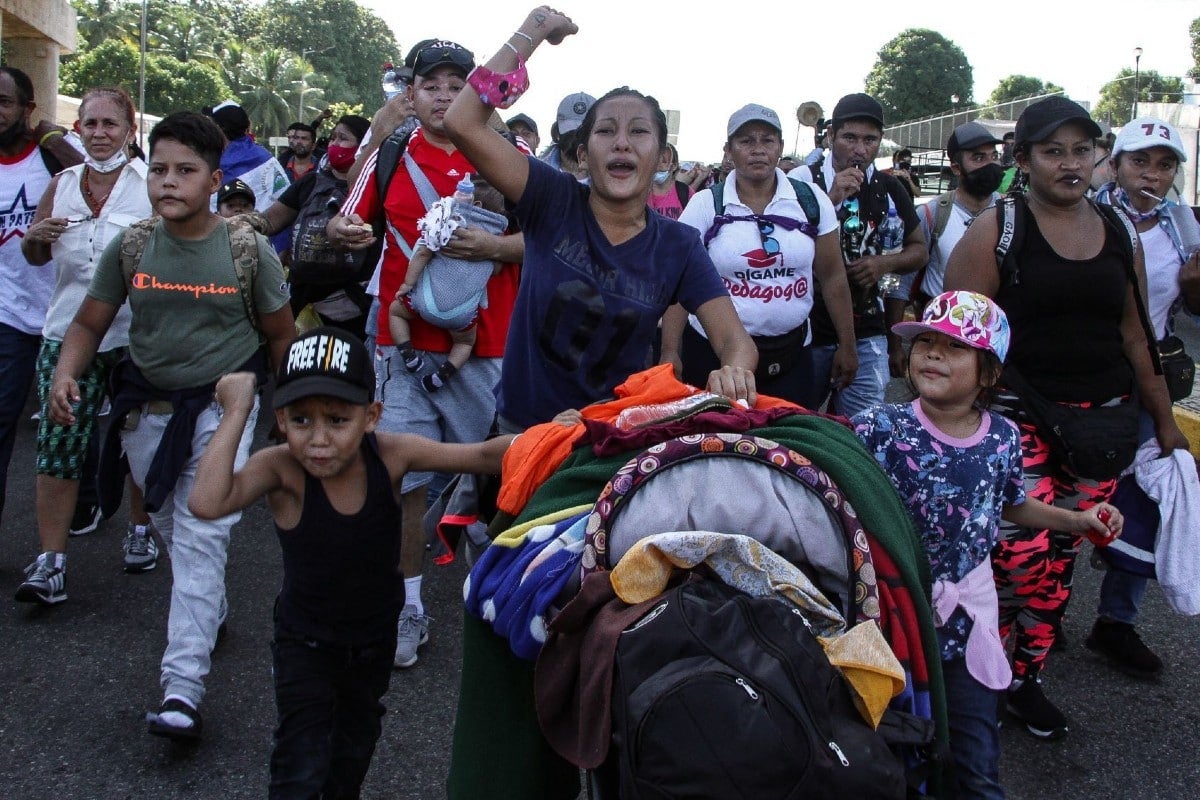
(706, 65)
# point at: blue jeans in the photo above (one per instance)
(974, 733)
(330, 714)
(18, 357)
(869, 384)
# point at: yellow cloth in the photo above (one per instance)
(514, 536)
(862, 653)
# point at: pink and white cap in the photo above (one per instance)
(968, 317)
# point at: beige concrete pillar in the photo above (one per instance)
(38, 57)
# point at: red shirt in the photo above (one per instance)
(403, 207)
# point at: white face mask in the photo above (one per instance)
(114, 162)
(662, 176)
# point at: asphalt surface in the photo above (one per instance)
(78, 679)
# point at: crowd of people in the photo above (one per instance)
(153, 310)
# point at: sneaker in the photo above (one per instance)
(410, 635)
(1041, 717)
(86, 519)
(1120, 643)
(44, 583)
(141, 551)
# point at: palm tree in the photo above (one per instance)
(271, 81)
(99, 21)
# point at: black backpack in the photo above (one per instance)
(315, 261)
(717, 694)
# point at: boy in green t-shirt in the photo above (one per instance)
(192, 322)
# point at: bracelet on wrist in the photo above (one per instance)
(525, 35)
(47, 135)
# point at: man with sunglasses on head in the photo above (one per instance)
(848, 175)
(462, 410)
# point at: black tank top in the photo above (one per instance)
(341, 572)
(1066, 318)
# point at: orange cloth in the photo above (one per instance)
(538, 452)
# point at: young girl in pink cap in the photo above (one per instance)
(957, 466)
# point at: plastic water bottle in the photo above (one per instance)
(464, 192)
(891, 233)
(392, 83)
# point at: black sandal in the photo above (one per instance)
(159, 728)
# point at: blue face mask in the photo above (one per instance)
(662, 177)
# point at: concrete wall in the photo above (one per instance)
(33, 34)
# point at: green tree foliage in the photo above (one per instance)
(276, 84)
(351, 44)
(1016, 87)
(1116, 96)
(171, 85)
(1194, 33)
(916, 73)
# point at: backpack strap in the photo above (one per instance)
(681, 191)
(808, 200)
(1010, 239)
(718, 197)
(937, 218)
(1117, 219)
(387, 160)
(804, 196)
(243, 245)
(133, 245)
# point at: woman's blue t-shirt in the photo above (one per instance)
(587, 311)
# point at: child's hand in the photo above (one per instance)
(1102, 523)
(550, 25)
(568, 418)
(236, 391)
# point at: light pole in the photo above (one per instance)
(303, 84)
(1137, 74)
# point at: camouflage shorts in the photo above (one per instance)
(61, 450)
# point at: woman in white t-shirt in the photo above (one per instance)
(770, 238)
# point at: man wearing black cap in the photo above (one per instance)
(524, 126)
(857, 189)
(975, 162)
(463, 410)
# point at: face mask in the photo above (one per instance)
(340, 158)
(113, 162)
(983, 181)
(662, 177)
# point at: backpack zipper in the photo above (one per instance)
(809, 722)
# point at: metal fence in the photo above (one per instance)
(931, 133)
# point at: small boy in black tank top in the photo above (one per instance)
(333, 489)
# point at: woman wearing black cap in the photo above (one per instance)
(1078, 340)
(338, 302)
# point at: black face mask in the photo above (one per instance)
(983, 181)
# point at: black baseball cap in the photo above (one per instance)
(524, 119)
(440, 52)
(326, 362)
(968, 136)
(857, 106)
(1044, 117)
(233, 188)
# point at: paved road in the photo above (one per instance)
(78, 678)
